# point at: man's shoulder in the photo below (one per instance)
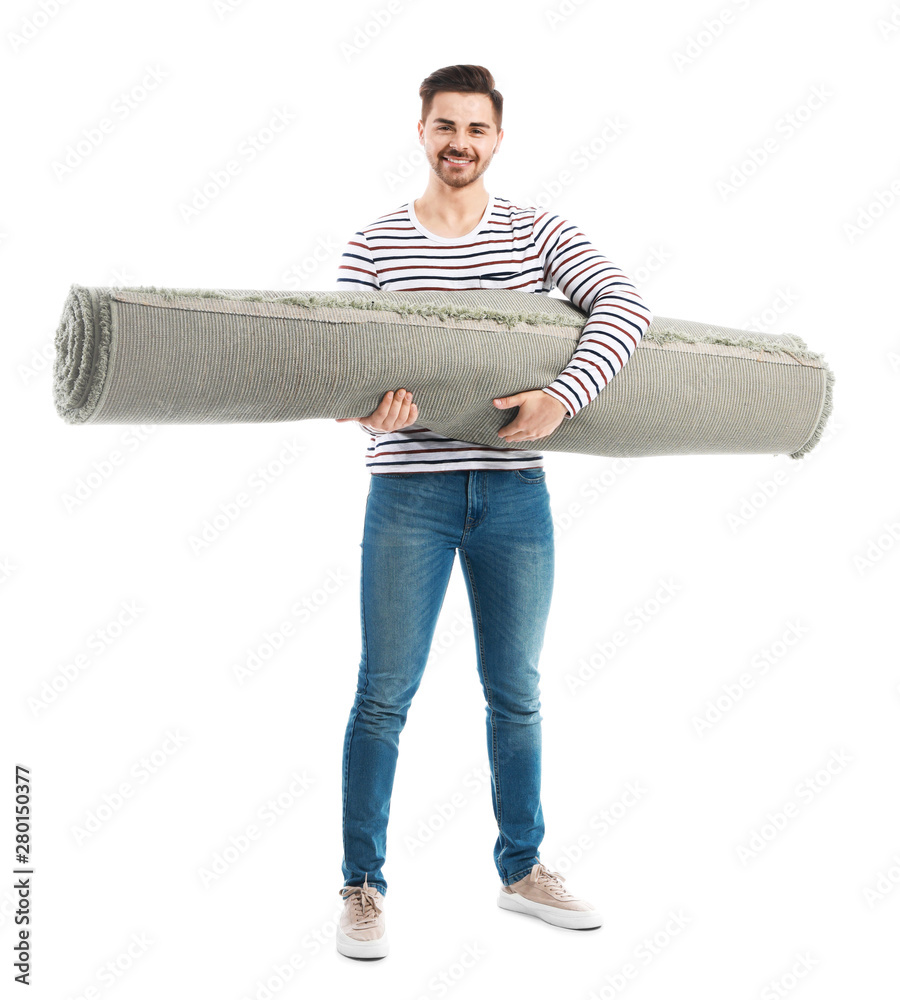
(522, 212)
(398, 214)
(514, 207)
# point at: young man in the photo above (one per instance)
(431, 496)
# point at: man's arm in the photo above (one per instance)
(356, 270)
(617, 316)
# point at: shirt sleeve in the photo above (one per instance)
(357, 269)
(617, 316)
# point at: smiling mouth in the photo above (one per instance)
(455, 161)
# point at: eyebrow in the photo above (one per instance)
(449, 121)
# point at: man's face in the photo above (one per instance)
(460, 126)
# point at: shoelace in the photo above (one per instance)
(362, 897)
(552, 882)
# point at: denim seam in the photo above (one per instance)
(487, 688)
(519, 875)
(362, 602)
(525, 479)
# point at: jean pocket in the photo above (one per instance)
(530, 475)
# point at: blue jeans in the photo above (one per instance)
(500, 521)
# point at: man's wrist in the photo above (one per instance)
(553, 396)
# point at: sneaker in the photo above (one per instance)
(361, 930)
(541, 894)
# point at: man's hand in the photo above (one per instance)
(539, 415)
(396, 410)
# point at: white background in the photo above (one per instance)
(805, 242)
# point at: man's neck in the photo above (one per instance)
(451, 212)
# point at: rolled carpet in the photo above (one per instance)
(184, 356)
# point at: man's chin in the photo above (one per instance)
(454, 180)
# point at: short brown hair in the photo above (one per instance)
(463, 79)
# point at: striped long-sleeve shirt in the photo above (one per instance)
(513, 247)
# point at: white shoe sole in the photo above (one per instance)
(361, 949)
(580, 920)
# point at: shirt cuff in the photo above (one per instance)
(558, 396)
